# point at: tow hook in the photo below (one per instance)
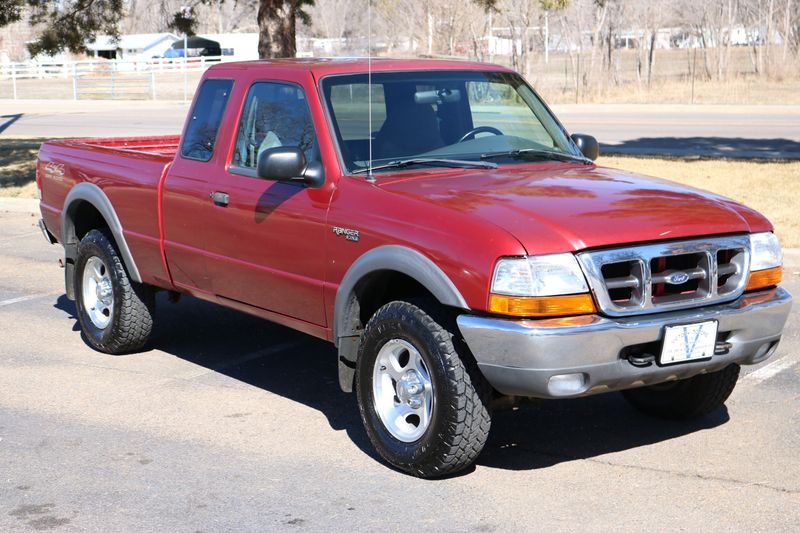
(642, 360)
(721, 348)
(646, 359)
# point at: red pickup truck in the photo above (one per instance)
(434, 221)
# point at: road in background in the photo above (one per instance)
(227, 422)
(769, 131)
(706, 130)
(96, 118)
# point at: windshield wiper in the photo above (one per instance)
(537, 154)
(401, 163)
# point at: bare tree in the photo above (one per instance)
(649, 18)
(332, 18)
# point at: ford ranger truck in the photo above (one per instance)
(435, 222)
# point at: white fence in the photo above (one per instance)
(158, 78)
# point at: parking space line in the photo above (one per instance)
(770, 370)
(258, 354)
(246, 358)
(25, 298)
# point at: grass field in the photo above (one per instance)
(770, 187)
(671, 83)
(742, 90)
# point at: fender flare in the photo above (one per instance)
(94, 195)
(389, 257)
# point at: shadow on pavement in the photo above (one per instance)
(262, 354)
(303, 369)
(8, 120)
(545, 433)
(18, 161)
(68, 306)
(707, 146)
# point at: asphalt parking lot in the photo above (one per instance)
(230, 423)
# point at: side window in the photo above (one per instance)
(275, 114)
(201, 134)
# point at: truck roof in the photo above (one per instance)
(320, 66)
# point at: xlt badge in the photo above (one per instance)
(349, 234)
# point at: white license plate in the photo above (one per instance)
(688, 342)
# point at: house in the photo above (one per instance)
(235, 46)
(137, 46)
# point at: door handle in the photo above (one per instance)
(220, 198)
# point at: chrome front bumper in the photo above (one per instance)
(583, 355)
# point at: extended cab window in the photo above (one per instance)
(201, 133)
(275, 114)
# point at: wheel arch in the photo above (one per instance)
(87, 207)
(391, 270)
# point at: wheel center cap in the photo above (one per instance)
(103, 291)
(410, 389)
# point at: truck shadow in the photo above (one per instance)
(7, 120)
(18, 161)
(282, 361)
(541, 434)
(776, 148)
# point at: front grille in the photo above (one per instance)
(696, 267)
(667, 276)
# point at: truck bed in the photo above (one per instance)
(166, 145)
(128, 170)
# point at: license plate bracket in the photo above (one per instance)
(684, 343)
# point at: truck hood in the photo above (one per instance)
(558, 207)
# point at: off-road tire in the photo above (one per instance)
(460, 419)
(133, 305)
(688, 398)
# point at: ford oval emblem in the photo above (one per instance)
(678, 278)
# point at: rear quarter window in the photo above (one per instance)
(201, 133)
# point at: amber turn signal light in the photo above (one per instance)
(542, 306)
(761, 279)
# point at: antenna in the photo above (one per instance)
(370, 177)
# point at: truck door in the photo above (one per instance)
(185, 202)
(266, 238)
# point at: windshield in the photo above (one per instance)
(446, 115)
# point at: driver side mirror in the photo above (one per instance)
(286, 163)
(587, 144)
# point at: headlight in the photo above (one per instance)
(544, 285)
(766, 259)
(542, 275)
(765, 251)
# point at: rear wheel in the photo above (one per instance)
(115, 313)
(422, 400)
(687, 398)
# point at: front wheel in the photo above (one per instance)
(116, 313)
(687, 398)
(422, 400)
